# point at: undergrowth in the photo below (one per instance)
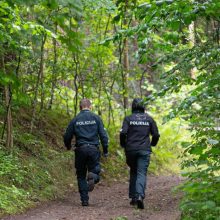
(37, 168)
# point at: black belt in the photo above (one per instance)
(87, 145)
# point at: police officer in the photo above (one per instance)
(87, 128)
(134, 138)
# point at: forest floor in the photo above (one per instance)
(110, 202)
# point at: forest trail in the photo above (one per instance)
(109, 202)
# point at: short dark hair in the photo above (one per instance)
(138, 105)
(85, 103)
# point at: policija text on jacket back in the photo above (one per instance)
(88, 129)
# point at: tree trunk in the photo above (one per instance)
(76, 62)
(9, 138)
(39, 80)
(126, 74)
(8, 119)
(192, 42)
(42, 71)
(54, 77)
(125, 61)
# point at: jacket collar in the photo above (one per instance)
(85, 110)
(137, 111)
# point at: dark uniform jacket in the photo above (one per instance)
(136, 130)
(87, 128)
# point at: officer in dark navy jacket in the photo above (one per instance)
(87, 128)
(134, 138)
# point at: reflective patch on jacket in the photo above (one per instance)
(145, 123)
(86, 122)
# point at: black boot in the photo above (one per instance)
(140, 203)
(133, 201)
(91, 181)
(85, 203)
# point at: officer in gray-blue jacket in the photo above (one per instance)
(135, 139)
(87, 128)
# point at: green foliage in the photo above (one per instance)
(12, 196)
(114, 167)
(35, 170)
(12, 199)
(200, 107)
(202, 154)
(165, 156)
(10, 169)
(187, 59)
(202, 196)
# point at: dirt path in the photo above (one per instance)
(111, 202)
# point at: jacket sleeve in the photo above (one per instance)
(103, 136)
(155, 133)
(123, 133)
(67, 137)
